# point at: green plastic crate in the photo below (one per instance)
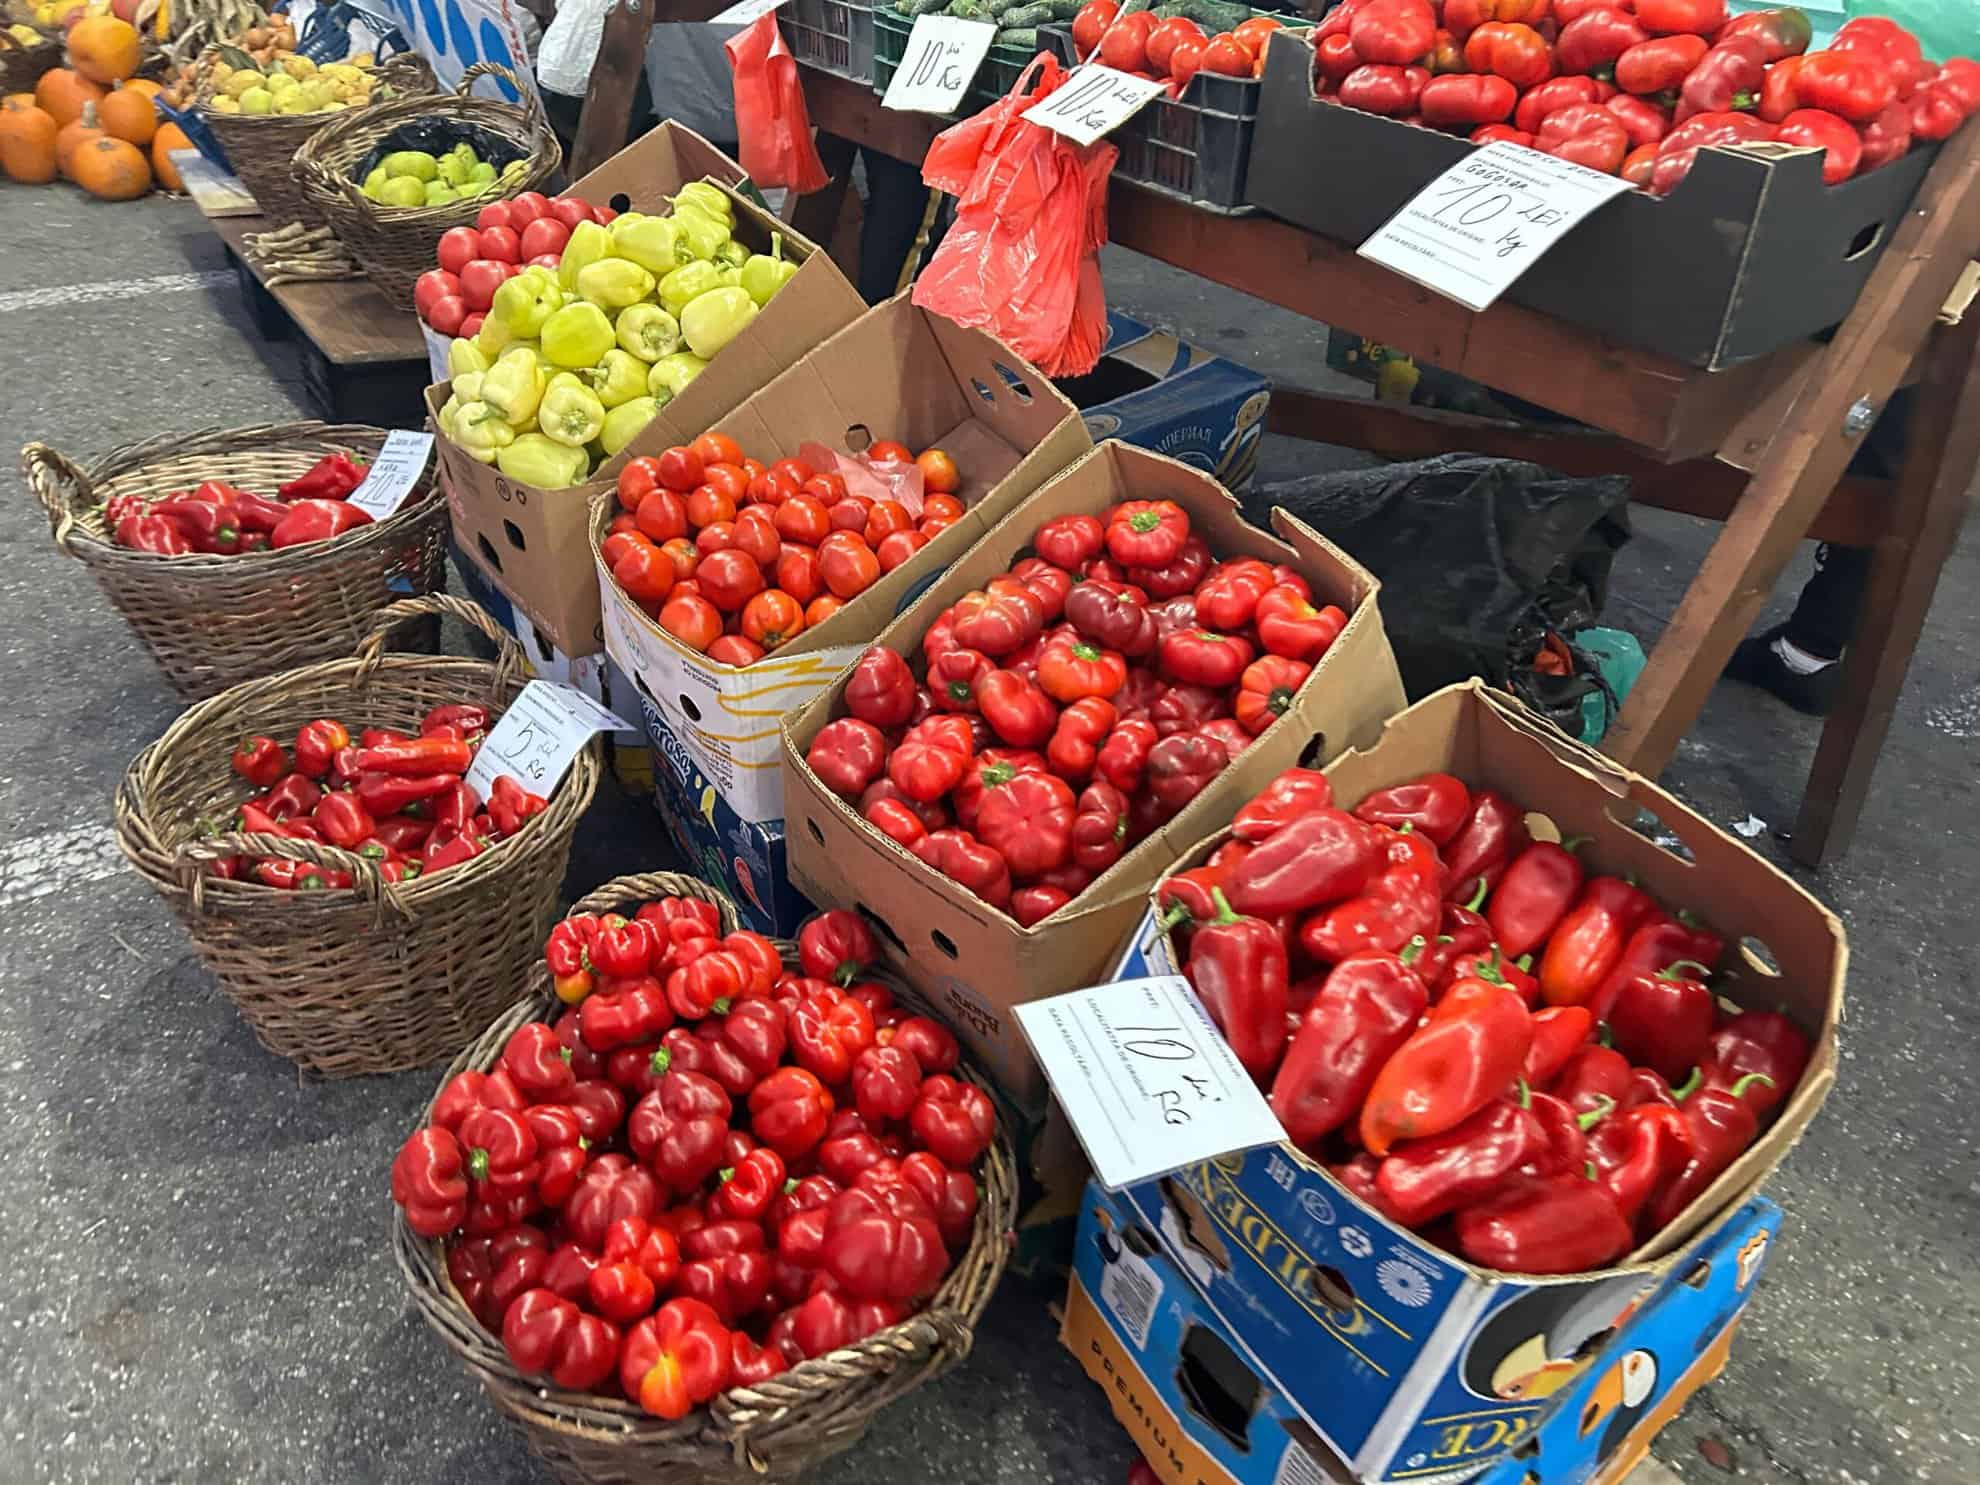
(999, 73)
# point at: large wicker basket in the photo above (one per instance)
(377, 977)
(21, 65)
(774, 1431)
(262, 147)
(394, 245)
(213, 621)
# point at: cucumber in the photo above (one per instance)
(1169, 10)
(1025, 17)
(1024, 36)
(1064, 10)
(1216, 15)
(924, 7)
(995, 8)
(968, 10)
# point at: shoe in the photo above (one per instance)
(1756, 664)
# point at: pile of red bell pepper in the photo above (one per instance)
(734, 557)
(220, 519)
(1072, 706)
(397, 800)
(1637, 87)
(710, 1168)
(1523, 1061)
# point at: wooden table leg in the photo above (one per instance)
(1857, 374)
(1941, 454)
(606, 121)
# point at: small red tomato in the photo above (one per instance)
(897, 546)
(939, 474)
(662, 516)
(887, 517)
(887, 451)
(772, 617)
(717, 448)
(804, 519)
(716, 536)
(797, 571)
(821, 608)
(794, 470)
(1166, 37)
(1226, 56)
(728, 478)
(680, 468)
(946, 506)
(734, 649)
(847, 564)
(691, 619)
(729, 578)
(1091, 24)
(707, 505)
(850, 513)
(681, 552)
(1125, 46)
(756, 534)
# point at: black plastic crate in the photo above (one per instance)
(834, 36)
(1002, 65)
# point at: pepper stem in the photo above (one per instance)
(1739, 1088)
(1604, 1106)
(1690, 1085)
(1477, 898)
(1525, 1091)
(1573, 843)
(1225, 912)
(1524, 964)
(726, 1174)
(1670, 971)
(1177, 914)
(1411, 949)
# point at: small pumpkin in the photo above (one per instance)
(73, 136)
(62, 92)
(15, 101)
(27, 146)
(145, 86)
(128, 115)
(111, 169)
(104, 49)
(168, 138)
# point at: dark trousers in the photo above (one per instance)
(896, 201)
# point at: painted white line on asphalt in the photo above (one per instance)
(164, 283)
(62, 860)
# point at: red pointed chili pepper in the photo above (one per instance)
(1426, 1178)
(1237, 966)
(1638, 1151)
(1533, 896)
(1365, 1011)
(1468, 1051)
(1563, 1225)
(1722, 1125)
(415, 757)
(1758, 1042)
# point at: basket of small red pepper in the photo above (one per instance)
(704, 1202)
(237, 553)
(364, 906)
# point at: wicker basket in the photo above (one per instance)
(212, 621)
(774, 1431)
(261, 147)
(396, 244)
(21, 65)
(376, 977)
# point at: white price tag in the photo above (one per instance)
(1093, 101)
(743, 12)
(534, 741)
(400, 463)
(1476, 228)
(942, 57)
(1146, 1079)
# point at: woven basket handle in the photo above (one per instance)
(532, 105)
(365, 880)
(60, 485)
(510, 662)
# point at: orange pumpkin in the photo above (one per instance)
(73, 136)
(62, 93)
(104, 49)
(129, 116)
(168, 138)
(17, 100)
(111, 169)
(145, 86)
(27, 146)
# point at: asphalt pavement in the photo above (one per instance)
(200, 1286)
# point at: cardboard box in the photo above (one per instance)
(974, 959)
(535, 542)
(1203, 1414)
(1750, 253)
(743, 857)
(1300, 1269)
(896, 373)
(1157, 391)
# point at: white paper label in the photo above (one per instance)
(745, 11)
(1476, 228)
(1092, 102)
(534, 741)
(943, 54)
(400, 462)
(1149, 1084)
(1131, 1289)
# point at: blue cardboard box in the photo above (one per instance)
(1156, 390)
(1203, 1414)
(744, 857)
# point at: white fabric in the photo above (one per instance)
(570, 46)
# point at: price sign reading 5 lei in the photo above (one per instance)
(1093, 101)
(1476, 228)
(534, 741)
(1149, 1084)
(943, 55)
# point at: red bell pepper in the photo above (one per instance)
(1668, 17)
(1658, 942)
(317, 743)
(260, 760)
(1558, 1033)
(964, 859)
(1229, 596)
(989, 771)
(1181, 767)
(932, 757)
(1593, 1077)
(1638, 1151)
(317, 520)
(678, 1128)
(1484, 846)
(343, 820)
(1518, 53)
(883, 1245)
(1587, 134)
(1069, 541)
(1203, 657)
(639, 1013)
(1000, 620)
(1937, 111)
(511, 806)
(1266, 690)
(467, 1091)
(1178, 575)
(1287, 797)
(1099, 826)
(950, 1194)
(332, 477)
(728, 1269)
(1564, 1225)
(1659, 66)
(1365, 1011)
(1185, 708)
(1552, 96)
(751, 1365)
(1018, 711)
(1758, 1042)
(153, 534)
(549, 1336)
(1462, 934)
(1123, 759)
(1028, 821)
(952, 678)
(894, 819)
(538, 1063)
(430, 1182)
(1289, 624)
(847, 755)
(1467, 1052)
(848, 1147)
(1398, 905)
(1595, 40)
(652, 1248)
(1148, 533)
(1726, 80)
(932, 1044)
(676, 1360)
(886, 1080)
(1237, 966)
(1664, 1020)
(1533, 896)
(1107, 615)
(1465, 16)
(1390, 91)
(612, 1187)
(789, 1111)
(600, 1108)
(828, 1031)
(1779, 33)
(560, 1150)
(1070, 668)
(1427, 1178)
(953, 1120)
(1849, 84)
(836, 945)
(1437, 805)
(1722, 1125)
(499, 1150)
(1586, 945)
(489, 1272)
(1884, 41)
(1075, 745)
(880, 689)
(1322, 856)
(568, 1272)
(1396, 32)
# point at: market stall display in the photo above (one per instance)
(380, 975)
(811, 1122)
(212, 619)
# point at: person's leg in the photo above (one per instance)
(896, 200)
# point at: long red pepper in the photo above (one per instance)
(1465, 1054)
(1587, 944)
(1722, 1124)
(1479, 854)
(1321, 857)
(1424, 1179)
(1363, 1013)
(1638, 1151)
(1534, 895)
(1664, 1020)
(1563, 1225)
(1237, 966)
(1659, 942)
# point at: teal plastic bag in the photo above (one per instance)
(1619, 660)
(1945, 28)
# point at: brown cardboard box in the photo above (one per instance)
(974, 959)
(535, 541)
(896, 373)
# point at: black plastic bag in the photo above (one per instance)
(436, 136)
(1478, 557)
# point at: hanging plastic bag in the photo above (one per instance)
(1023, 258)
(570, 47)
(773, 127)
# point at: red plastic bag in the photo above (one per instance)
(1023, 258)
(772, 124)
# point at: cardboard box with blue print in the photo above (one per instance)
(1203, 1413)
(1410, 1361)
(973, 959)
(896, 373)
(1157, 391)
(743, 857)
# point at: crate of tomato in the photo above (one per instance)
(1530, 1026)
(1769, 176)
(999, 778)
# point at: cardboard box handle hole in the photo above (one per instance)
(946, 944)
(620, 201)
(817, 835)
(688, 706)
(488, 552)
(859, 438)
(1864, 241)
(514, 533)
(1644, 822)
(1332, 1289)
(983, 390)
(1760, 957)
(1700, 1272)
(877, 923)
(1012, 380)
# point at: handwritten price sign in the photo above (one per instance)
(942, 58)
(1092, 102)
(1476, 228)
(1149, 1084)
(401, 460)
(534, 741)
